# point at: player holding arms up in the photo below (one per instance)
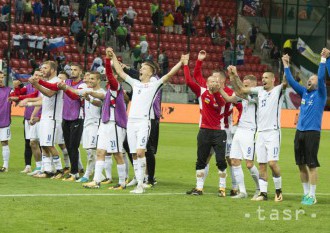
(307, 139)
(138, 124)
(268, 142)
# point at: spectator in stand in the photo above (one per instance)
(253, 35)
(80, 39)
(93, 39)
(45, 8)
(228, 24)
(179, 5)
(4, 22)
(24, 46)
(28, 11)
(168, 21)
(136, 52)
(32, 44)
(53, 10)
(19, 10)
(187, 6)
(287, 47)
(189, 25)
(114, 23)
(208, 24)
(5, 8)
(178, 22)
(163, 63)
(64, 12)
(113, 13)
(40, 44)
(239, 55)
(128, 36)
(16, 44)
(195, 7)
(37, 10)
(83, 4)
(217, 22)
(76, 26)
(156, 14)
(241, 40)
(101, 31)
(131, 14)
(227, 55)
(92, 13)
(266, 47)
(121, 34)
(144, 47)
(97, 62)
(216, 38)
(275, 55)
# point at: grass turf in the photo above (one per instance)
(164, 208)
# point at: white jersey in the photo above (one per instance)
(40, 42)
(269, 107)
(143, 97)
(32, 41)
(52, 107)
(248, 118)
(17, 40)
(92, 112)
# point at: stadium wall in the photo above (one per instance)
(189, 113)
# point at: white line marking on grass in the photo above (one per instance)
(120, 194)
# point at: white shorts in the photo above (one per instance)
(50, 132)
(229, 141)
(5, 134)
(27, 129)
(268, 146)
(89, 137)
(34, 132)
(110, 137)
(137, 134)
(243, 144)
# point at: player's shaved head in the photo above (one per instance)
(268, 80)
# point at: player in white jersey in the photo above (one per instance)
(138, 124)
(243, 144)
(52, 106)
(92, 107)
(268, 142)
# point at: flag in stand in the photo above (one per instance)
(56, 44)
(20, 77)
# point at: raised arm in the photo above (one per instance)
(198, 69)
(114, 84)
(95, 94)
(45, 91)
(321, 72)
(172, 72)
(117, 66)
(236, 82)
(293, 83)
(227, 98)
(190, 83)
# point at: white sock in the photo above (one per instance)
(99, 165)
(306, 188)
(90, 163)
(222, 181)
(126, 165)
(47, 164)
(141, 170)
(200, 178)
(39, 164)
(66, 157)
(108, 166)
(5, 155)
(312, 190)
(52, 164)
(263, 185)
(42, 163)
(80, 165)
(255, 176)
(135, 167)
(233, 179)
(121, 173)
(206, 171)
(277, 182)
(239, 177)
(57, 162)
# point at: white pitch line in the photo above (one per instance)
(122, 194)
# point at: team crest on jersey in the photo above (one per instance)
(303, 101)
(207, 100)
(215, 105)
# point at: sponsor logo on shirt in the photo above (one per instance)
(207, 100)
(303, 101)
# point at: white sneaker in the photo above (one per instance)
(132, 183)
(138, 190)
(256, 194)
(34, 172)
(240, 195)
(27, 169)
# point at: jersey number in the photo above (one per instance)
(263, 103)
(113, 143)
(275, 150)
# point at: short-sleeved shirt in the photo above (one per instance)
(143, 97)
(249, 115)
(52, 107)
(269, 107)
(92, 112)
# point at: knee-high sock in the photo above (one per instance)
(57, 162)
(206, 171)
(200, 179)
(99, 165)
(126, 165)
(233, 180)
(239, 177)
(121, 174)
(90, 163)
(108, 166)
(141, 169)
(255, 176)
(80, 165)
(5, 155)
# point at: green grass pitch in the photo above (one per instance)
(57, 206)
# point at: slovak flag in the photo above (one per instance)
(56, 44)
(20, 77)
